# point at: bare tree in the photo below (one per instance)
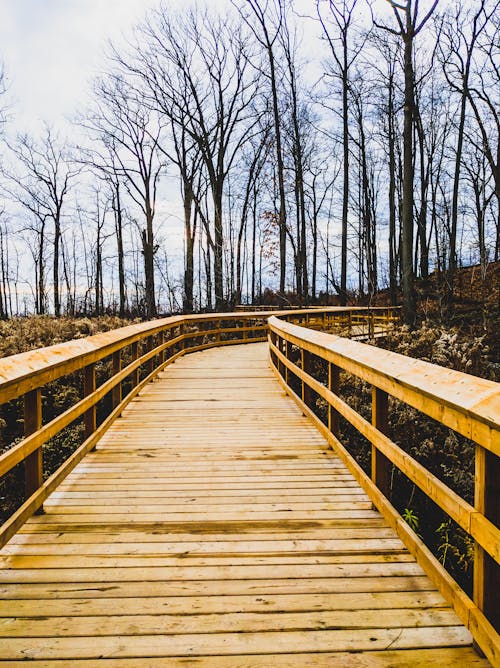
(408, 28)
(337, 19)
(41, 185)
(386, 98)
(484, 100)
(196, 71)
(130, 134)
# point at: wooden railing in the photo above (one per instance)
(464, 403)
(143, 349)
(134, 356)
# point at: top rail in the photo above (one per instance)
(135, 354)
(467, 404)
(143, 348)
(27, 371)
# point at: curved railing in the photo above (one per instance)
(145, 348)
(464, 403)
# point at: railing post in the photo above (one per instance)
(333, 386)
(288, 355)
(371, 325)
(181, 333)
(487, 502)
(90, 419)
(134, 354)
(33, 464)
(149, 346)
(217, 334)
(116, 392)
(306, 366)
(161, 341)
(283, 366)
(274, 340)
(381, 466)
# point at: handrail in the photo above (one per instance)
(464, 403)
(151, 346)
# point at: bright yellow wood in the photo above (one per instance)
(258, 550)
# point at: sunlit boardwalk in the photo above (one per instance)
(213, 526)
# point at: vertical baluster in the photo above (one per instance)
(116, 393)
(487, 502)
(148, 345)
(182, 343)
(33, 464)
(134, 354)
(333, 386)
(161, 341)
(381, 466)
(282, 349)
(272, 340)
(306, 366)
(90, 416)
(288, 353)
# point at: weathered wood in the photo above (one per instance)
(479, 527)
(487, 502)
(219, 530)
(381, 465)
(89, 387)
(422, 658)
(333, 386)
(33, 464)
(485, 635)
(116, 393)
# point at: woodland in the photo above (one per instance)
(323, 152)
(318, 152)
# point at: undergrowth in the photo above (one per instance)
(19, 335)
(446, 454)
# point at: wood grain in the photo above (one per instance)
(213, 526)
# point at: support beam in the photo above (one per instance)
(33, 464)
(381, 466)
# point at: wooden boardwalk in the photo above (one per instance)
(213, 527)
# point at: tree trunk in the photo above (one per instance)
(345, 191)
(148, 252)
(119, 243)
(393, 236)
(189, 260)
(408, 281)
(218, 250)
(279, 161)
(57, 241)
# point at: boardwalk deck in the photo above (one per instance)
(213, 527)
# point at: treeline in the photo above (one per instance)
(352, 148)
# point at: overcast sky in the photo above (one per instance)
(52, 48)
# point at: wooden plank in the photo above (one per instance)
(257, 550)
(239, 622)
(179, 573)
(216, 644)
(187, 605)
(452, 657)
(270, 586)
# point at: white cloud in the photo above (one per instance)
(52, 48)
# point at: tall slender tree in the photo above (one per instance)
(408, 27)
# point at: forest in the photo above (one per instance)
(310, 152)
